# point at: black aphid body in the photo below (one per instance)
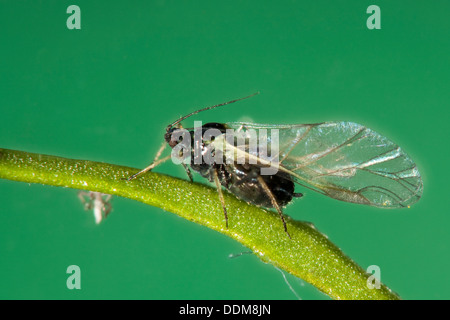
(339, 159)
(243, 182)
(242, 179)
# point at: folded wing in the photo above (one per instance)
(346, 161)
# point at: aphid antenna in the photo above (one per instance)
(170, 126)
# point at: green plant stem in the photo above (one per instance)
(309, 255)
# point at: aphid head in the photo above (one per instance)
(168, 136)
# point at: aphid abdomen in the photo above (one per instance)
(243, 183)
(281, 186)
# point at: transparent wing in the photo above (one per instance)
(346, 161)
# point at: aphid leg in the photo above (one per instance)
(107, 208)
(87, 204)
(150, 167)
(297, 195)
(188, 172)
(153, 164)
(222, 200)
(107, 205)
(98, 201)
(274, 203)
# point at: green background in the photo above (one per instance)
(107, 91)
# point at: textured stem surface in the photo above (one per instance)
(309, 255)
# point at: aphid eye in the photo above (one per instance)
(172, 141)
(168, 135)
